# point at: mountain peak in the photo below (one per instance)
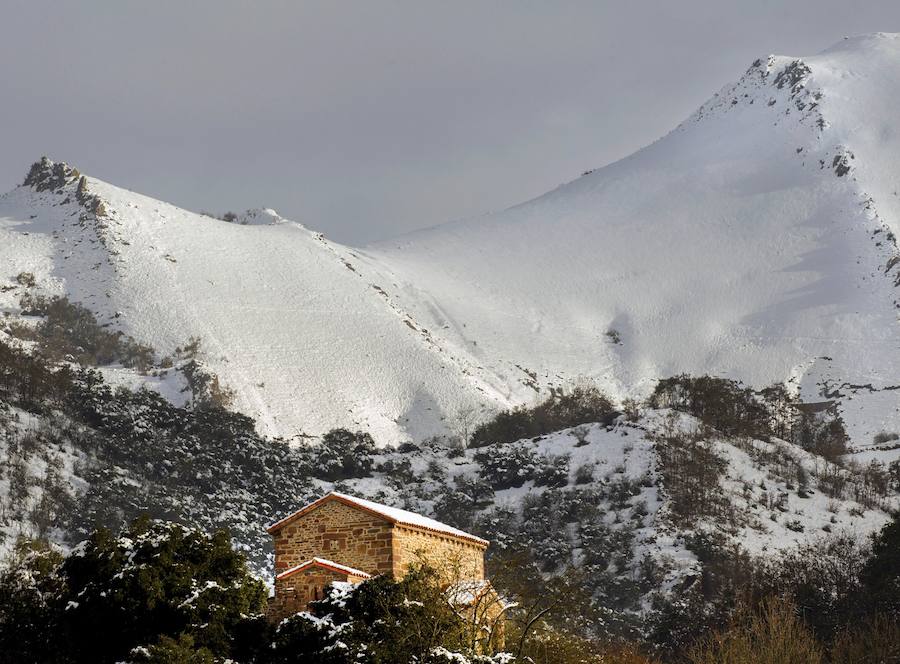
(46, 174)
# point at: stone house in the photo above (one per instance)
(343, 538)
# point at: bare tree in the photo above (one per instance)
(463, 423)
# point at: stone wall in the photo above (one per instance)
(454, 559)
(338, 533)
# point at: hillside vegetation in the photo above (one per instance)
(650, 520)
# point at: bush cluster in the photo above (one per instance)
(736, 410)
(561, 410)
(70, 330)
(510, 466)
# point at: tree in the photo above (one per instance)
(380, 621)
(30, 588)
(157, 586)
(880, 575)
(344, 454)
(463, 422)
(561, 410)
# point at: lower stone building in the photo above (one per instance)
(343, 538)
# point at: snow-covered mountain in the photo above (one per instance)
(755, 241)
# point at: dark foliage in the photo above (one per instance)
(880, 575)
(581, 405)
(344, 454)
(735, 410)
(381, 621)
(195, 465)
(508, 466)
(159, 586)
(70, 330)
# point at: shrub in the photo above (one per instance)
(584, 474)
(29, 589)
(880, 575)
(581, 405)
(882, 437)
(876, 640)
(822, 579)
(510, 466)
(26, 279)
(344, 454)
(70, 329)
(691, 472)
(773, 634)
(207, 391)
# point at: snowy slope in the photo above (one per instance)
(754, 241)
(302, 338)
(736, 245)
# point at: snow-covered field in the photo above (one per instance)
(755, 241)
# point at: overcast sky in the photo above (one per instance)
(368, 119)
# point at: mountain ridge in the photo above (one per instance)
(756, 240)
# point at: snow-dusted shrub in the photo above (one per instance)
(554, 471)
(510, 466)
(458, 506)
(381, 621)
(584, 474)
(601, 544)
(344, 454)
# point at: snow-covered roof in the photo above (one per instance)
(391, 514)
(464, 593)
(328, 564)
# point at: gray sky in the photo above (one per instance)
(368, 119)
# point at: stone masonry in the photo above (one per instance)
(340, 533)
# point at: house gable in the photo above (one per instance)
(335, 531)
(350, 573)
